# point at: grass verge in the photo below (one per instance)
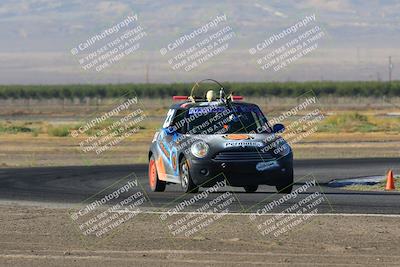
(376, 187)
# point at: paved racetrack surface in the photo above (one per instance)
(73, 185)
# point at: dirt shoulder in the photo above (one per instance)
(33, 236)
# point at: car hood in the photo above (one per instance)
(241, 142)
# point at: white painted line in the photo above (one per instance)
(270, 214)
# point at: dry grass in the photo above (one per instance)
(377, 187)
(351, 129)
(26, 150)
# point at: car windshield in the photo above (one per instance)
(223, 119)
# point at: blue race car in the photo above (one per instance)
(208, 139)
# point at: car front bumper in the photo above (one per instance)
(206, 172)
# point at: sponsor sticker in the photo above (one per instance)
(244, 144)
(237, 136)
(262, 166)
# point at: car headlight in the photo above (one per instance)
(199, 149)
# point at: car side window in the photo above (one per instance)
(168, 119)
(179, 121)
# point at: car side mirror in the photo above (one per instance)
(278, 128)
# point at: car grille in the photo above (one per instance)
(243, 156)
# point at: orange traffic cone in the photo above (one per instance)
(390, 181)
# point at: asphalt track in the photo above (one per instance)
(73, 185)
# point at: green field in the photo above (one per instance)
(266, 89)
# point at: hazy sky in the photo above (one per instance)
(37, 37)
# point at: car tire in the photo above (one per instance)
(287, 187)
(250, 188)
(186, 181)
(156, 185)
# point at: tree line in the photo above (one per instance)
(257, 89)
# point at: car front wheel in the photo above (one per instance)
(250, 188)
(286, 188)
(186, 181)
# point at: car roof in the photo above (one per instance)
(189, 104)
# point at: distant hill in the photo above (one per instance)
(38, 35)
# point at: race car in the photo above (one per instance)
(204, 140)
